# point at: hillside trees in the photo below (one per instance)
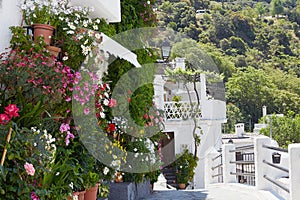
(249, 89)
(276, 7)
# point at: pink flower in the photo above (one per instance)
(12, 110)
(69, 135)
(145, 116)
(86, 111)
(29, 169)
(4, 119)
(112, 103)
(64, 127)
(68, 99)
(34, 196)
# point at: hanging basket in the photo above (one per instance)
(276, 157)
(43, 30)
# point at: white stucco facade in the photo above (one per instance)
(10, 16)
(213, 114)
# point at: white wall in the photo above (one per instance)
(107, 9)
(182, 133)
(9, 16)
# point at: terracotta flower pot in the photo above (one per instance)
(44, 30)
(91, 194)
(181, 185)
(53, 50)
(79, 194)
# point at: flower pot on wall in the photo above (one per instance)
(53, 50)
(44, 30)
(181, 185)
(91, 194)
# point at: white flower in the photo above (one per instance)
(115, 163)
(97, 21)
(35, 144)
(105, 170)
(75, 197)
(148, 2)
(71, 185)
(105, 102)
(57, 173)
(70, 32)
(95, 27)
(90, 33)
(85, 23)
(65, 58)
(98, 36)
(102, 115)
(135, 149)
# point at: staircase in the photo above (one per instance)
(170, 175)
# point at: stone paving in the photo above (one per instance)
(177, 195)
(215, 192)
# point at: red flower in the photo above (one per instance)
(111, 127)
(12, 110)
(4, 119)
(145, 116)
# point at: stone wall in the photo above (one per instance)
(129, 190)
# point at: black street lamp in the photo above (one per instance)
(165, 50)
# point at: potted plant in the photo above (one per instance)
(186, 164)
(42, 15)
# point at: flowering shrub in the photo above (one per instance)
(10, 111)
(41, 11)
(147, 12)
(35, 75)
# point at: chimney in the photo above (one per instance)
(264, 110)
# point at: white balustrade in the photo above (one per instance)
(181, 110)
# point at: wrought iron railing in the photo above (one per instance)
(245, 168)
(181, 110)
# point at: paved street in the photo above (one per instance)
(214, 192)
(177, 195)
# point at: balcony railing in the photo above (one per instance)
(181, 110)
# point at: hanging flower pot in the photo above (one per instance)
(53, 50)
(43, 30)
(276, 157)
